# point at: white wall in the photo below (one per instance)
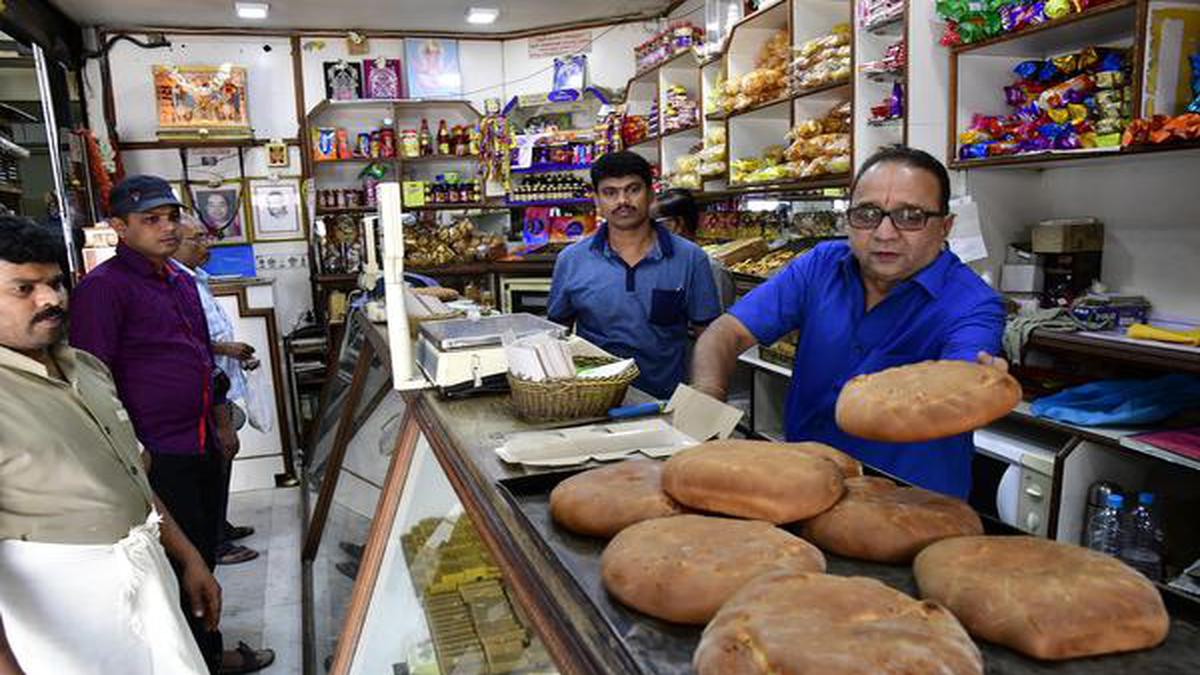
(610, 63)
(1151, 219)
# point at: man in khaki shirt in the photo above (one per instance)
(84, 584)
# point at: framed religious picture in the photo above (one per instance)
(208, 101)
(277, 155)
(570, 73)
(278, 214)
(343, 80)
(221, 208)
(381, 79)
(432, 68)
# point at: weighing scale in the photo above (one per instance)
(466, 356)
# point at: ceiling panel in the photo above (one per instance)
(414, 15)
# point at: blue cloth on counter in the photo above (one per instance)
(1121, 402)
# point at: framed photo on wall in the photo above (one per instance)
(381, 79)
(278, 213)
(222, 211)
(432, 68)
(195, 98)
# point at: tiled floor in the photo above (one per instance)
(262, 597)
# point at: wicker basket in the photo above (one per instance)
(556, 400)
(414, 322)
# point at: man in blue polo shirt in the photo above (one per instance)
(633, 287)
(892, 295)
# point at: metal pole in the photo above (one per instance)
(51, 124)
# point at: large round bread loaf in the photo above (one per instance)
(775, 482)
(602, 502)
(925, 401)
(798, 623)
(879, 521)
(1041, 597)
(684, 568)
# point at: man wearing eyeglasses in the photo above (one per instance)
(892, 295)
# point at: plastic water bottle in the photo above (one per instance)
(1142, 547)
(1104, 531)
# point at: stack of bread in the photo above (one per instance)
(822, 61)
(768, 80)
(698, 540)
(820, 146)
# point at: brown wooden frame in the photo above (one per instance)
(333, 464)
(268, 314)
(376, 545)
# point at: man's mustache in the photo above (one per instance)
(50, 313)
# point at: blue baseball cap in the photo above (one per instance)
(139, 194)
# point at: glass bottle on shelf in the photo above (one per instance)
(426, 141)
(443, 139)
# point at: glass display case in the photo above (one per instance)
(397, 579)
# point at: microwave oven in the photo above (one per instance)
(522, 295)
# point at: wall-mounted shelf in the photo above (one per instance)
(645, 142)
(816, 91)
(325, 211)
(551, 168)
(1088, 26)
(1053, 160)
(552, 202)
(355, 160)
(428, 159)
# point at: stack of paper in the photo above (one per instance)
(424, 306)
(539, 358)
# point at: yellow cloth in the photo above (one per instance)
(1141, 331)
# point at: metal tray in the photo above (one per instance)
(655, 647)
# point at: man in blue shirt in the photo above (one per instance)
(633, 287)
(892, 295)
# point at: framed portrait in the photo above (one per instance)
(278, 214)
(222, 211)
(432, 69)
(343, 80)
(192, 98)
(381, 79)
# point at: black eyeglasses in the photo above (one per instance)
(906, 218)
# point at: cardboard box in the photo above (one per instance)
(1068, 236)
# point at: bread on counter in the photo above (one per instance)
(775, 482)
(683, 568)
(1042, 598)
(602, 502)
(880, 521)
(795, 622)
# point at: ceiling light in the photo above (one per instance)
(482, 15)
(251, 10)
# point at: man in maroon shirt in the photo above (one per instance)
(143, 318)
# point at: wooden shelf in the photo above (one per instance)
(551, 168)
(1051, 160)
(815, 183)
(645, 141)
(695, 128)
(356, 160)
(881, 27)
(337, 279)
(1035, 34)
(438, 158)
(321, 211)
(1148, 354)
(460, 206)
(10, 189)
(822, 89)
(551, 202)
(396, 104)
(644, 75)
(761, 106)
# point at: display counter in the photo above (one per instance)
(445, 559)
